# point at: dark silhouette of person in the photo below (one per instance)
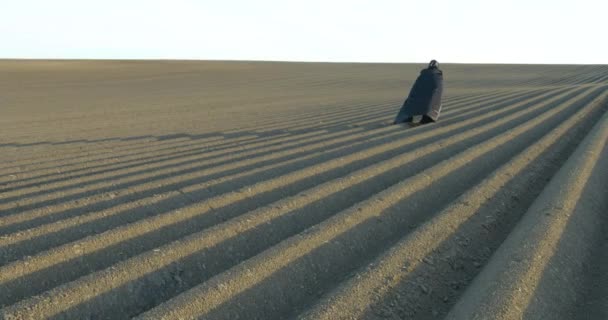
(424, 98)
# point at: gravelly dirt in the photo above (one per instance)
(225, 190)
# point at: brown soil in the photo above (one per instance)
(250, 190)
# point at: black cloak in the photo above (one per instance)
(425, 96)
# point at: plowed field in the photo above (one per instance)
(251, 190)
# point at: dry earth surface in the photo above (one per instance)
(250, 190)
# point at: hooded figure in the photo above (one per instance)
(424, 98)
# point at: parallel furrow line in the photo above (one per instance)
(554, 234)
(424, 133)
(342, 222)
(299, 255)
(355, 297)
(64, 174)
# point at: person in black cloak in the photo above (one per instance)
(424, 98)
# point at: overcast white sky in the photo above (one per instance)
(473, 31)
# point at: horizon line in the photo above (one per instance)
(287, 61)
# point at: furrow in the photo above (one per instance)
(594, 79)
(150, 180)
(465, 97)
(342, 222)
(159, 156)
(427, 133)
(480, 107)
(161, 143)
(172, 164)
(24, 216)
(360, 295)
(282, 207)
(66, 155)
(274, 283)
(101, 148)
(589, 77)
(55, 227)
(65, 174)
(529, 275)
(237, 132)
(390, 114)
(337, 122)
(285, 123)
(572, 79)
(604, 78)
(174, 151)
(122, 209)
(448, 99)
(65, 166)
(289, 122)
(257, 142)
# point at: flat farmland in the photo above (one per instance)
(270, 190)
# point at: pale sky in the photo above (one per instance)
(467, 31)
